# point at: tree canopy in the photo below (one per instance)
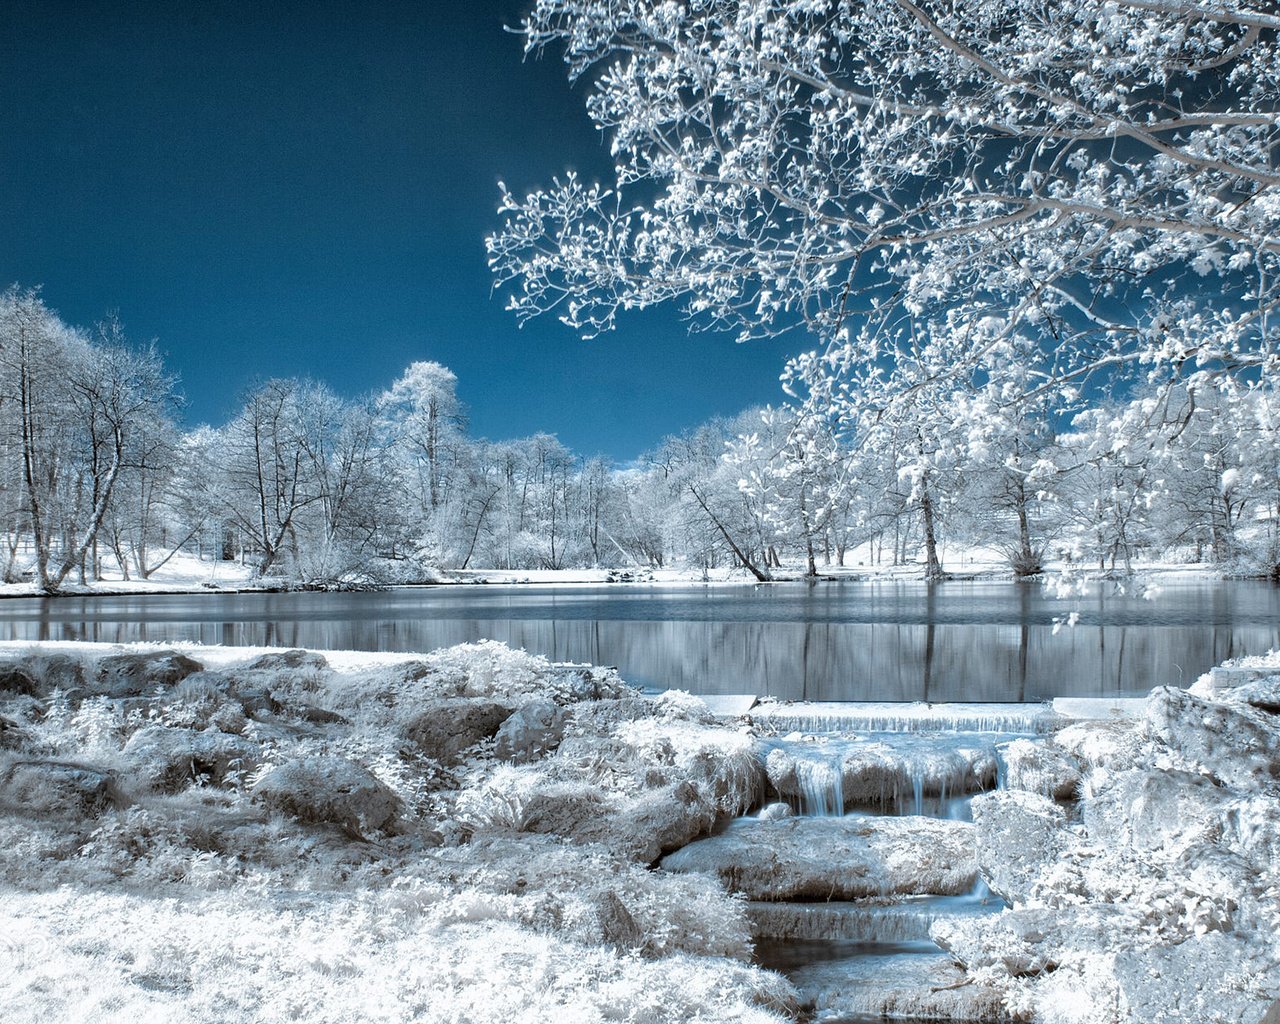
(1098, 175)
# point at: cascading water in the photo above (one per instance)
(854, 958)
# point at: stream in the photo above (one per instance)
(854, 960)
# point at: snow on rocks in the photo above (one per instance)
(446, 727)
(171, 759)
(1263, 694)
(55, 671)
(532, 731)
(41, 787)
(1158, 902)
(1235, 743)
(329, 790)
(129, 674)
(836, 858)
(1018, 834)
(880, 772)
(16, 679)
(1039, 768)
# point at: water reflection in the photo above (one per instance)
(984, 641)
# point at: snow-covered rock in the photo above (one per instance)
(882, 773)
(330, 790)
(16, 679)
(447, 726)
(533, 730)
(1033, 940)
(836, 858)
(1263, 694)
(601, 717)
(274, 661)
(171, 759)
(1117, 745)
(1040, 767)
(1235, 743)
(1153, 810)
(1018, 835)
(131, 674)
(640, 829)
(40, 788)
(54, 671)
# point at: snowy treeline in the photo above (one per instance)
(100, 478)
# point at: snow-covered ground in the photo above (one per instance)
(188, 574)
(226, 834)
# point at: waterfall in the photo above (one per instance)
(821, 784)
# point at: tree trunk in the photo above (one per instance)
(933, 568)
(760, 574)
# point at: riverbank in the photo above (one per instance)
(202, 833)
(189, 575)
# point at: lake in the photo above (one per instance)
(957, 640)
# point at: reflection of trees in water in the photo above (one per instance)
(938, 656)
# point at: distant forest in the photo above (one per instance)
(100, 479)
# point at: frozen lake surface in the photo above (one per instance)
(894, 641)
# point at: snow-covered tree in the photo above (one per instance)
(1100, 174)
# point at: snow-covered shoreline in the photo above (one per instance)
(232, 578)
(194, 832)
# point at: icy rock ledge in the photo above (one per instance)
(881, 771)
(836, 858)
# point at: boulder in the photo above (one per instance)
(1236, 744)
(295, 659)
(641, 829)
(532, 731)
(17, 680)
(1212, 977)
(172, 759)
(1117, 745)
(126, 675)
(329, 790)
(586, 682)
(447, 726)
(775, 811)
(41, 788)
(601, 717)
(257, 699)
(55, 671)
(656, 823)
(563, 810)
(1153, 810)
(1028, 941)
(836, 858)
(1263, 694)
(1039, 767)
(319, 716)
(1019, 834)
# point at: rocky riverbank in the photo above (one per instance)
(480, 835)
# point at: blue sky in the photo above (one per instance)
(304, 188)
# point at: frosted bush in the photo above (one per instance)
(499, 801)
(680, 704)
(726, 764)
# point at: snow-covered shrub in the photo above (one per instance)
(726, 765)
